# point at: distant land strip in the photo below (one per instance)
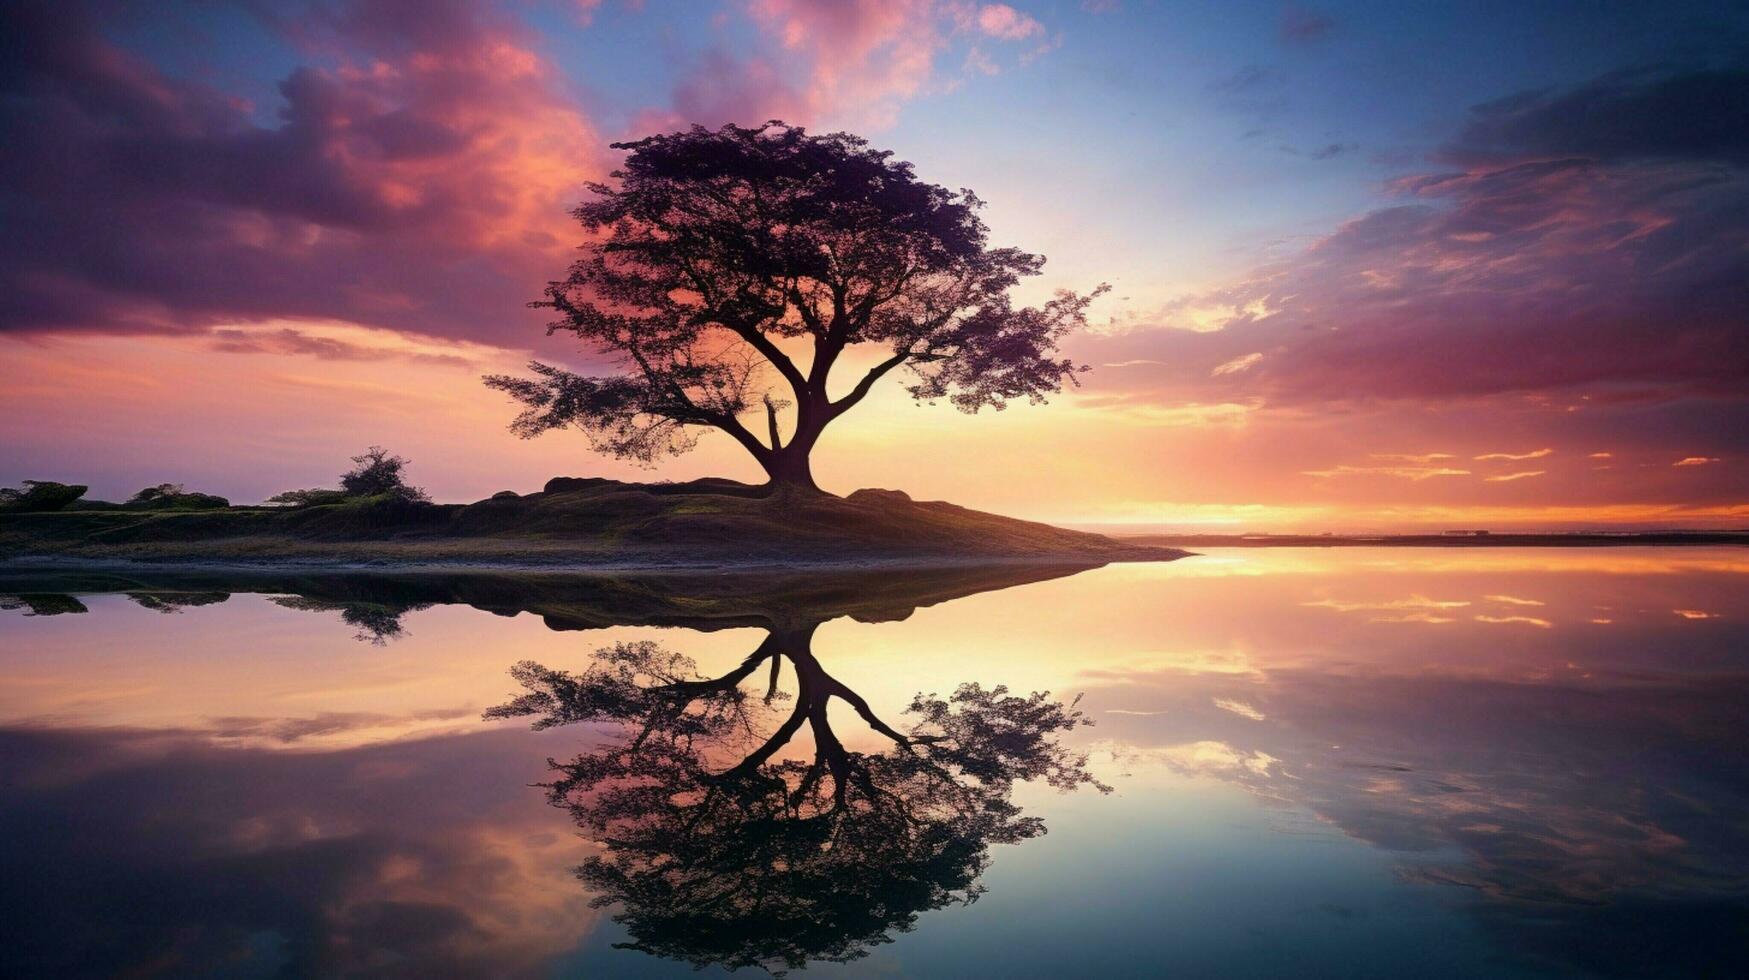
(1463, 539)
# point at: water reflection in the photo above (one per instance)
(1326, 764)
(160, 854)
(718, 851)
(376, 623)
(218, 853)
(374, 602)
(42, 604)
(1583, 791)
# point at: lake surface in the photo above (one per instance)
(1343, 763)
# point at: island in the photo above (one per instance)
(751, 283)
(572, 523)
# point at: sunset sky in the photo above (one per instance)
(1374, 266)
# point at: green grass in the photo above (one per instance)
(605, 522)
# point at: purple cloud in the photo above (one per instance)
(1527, 271)
(415, 178)
(1698, 114)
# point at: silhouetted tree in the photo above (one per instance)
(174, 496)
(308, 498)
(375, 473)
(39, 495)
(379, 472)
(720, 254)
(720, 853)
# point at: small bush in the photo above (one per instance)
(160, 492)
(308, 498)
(172, 496)
(378, 474)
(39, 495)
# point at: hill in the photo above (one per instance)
(573, 523)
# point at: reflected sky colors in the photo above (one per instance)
(1326, 761)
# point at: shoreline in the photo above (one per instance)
(574, 525)
(24, 566)
(1508, 539)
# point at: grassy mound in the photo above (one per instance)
(574, 521)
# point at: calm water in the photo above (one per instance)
(1323, 763)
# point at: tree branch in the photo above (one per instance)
(776, 673)
(861, 705)
(778, 740)
(766, 649)
(771, 420)
(770, 351)
(749, 332)
(722, 420)
(862, 388)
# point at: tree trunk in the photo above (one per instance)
(788, 469)
(788, 466)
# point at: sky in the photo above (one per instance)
(1375, 266)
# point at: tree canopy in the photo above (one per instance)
(40, 495)
(730, 271)
(376, 473)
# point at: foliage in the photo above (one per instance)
(39, 495)
(719, 253)
(173, 496)
(376, 474)
(379, 473)
(308, 498)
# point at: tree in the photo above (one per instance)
(721, 256)
(162, 491)
(719, 851)
(174, 496)
(308, 498)
(40, 495)
(375, 473)
(378, 472)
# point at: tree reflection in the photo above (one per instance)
(42, 603)
(175, 602)
(721, 852)
(375, 623)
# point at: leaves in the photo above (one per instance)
(717, 253)
(379, 473)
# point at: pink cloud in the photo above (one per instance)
(860, 60)
(999, 20)
(1533, 454)
(584, 10)
(861, 56)
(416, 177)
(722, 89)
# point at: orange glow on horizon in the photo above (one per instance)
(254, 409)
